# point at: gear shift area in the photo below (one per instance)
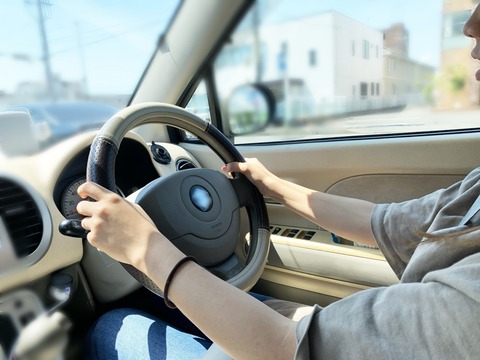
(28, 331)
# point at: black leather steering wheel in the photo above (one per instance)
(197, 209)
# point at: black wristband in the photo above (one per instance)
(170, 304)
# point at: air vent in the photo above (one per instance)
(21, 217)
(184, 164)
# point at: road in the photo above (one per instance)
(407, 120)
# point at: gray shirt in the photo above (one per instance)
(434, 312)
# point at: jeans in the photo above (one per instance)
(133, 334)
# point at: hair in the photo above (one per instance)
(448, 238)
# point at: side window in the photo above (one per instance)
(364, 74)
(198, 105)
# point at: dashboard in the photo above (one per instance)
(37, 262)
(38, 192)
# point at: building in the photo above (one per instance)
(396, 39)
(336, 57)
(404, 79)
(325, 64)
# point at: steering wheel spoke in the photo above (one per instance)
(229, 268)
(242, 189)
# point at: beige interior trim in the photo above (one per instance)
(387, 188)
(322, 242)
(313, 283)
(337, 266)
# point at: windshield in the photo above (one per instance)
(70, 65)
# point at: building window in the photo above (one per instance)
(353, 90)
(363, 89)
(312, 58)
(372, 89)
(378, 89)
(453, 24)
(366, 49)
(392, 64)
(283, 58)
(378, 52)
(353, 47)
(453, 37)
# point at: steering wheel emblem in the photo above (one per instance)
(201, 198)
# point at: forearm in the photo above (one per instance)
(241, 325)
(346, 217)
(244, 327)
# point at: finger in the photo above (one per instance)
(86, 223)
(235, 167)
(85, 208)
(92, 190)
(91, 237)
(228, 167)
(92, 240)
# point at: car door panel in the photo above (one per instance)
(378, 170)
(391, 188)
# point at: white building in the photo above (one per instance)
(334, 55)
(322, 63)
(325, 65)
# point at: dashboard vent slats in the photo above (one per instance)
(184, 164)
(21, 217)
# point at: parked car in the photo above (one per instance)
(59, 120)
(362, 99)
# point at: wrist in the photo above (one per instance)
(271, 187)
(170, 277)
(159, 258)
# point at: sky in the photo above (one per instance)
(83, 35)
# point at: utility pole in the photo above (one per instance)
(256, 42)
(46, 53)
(81, 55)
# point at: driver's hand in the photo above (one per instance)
(254, 170)
(117, 227)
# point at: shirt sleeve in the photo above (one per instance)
(428, 320)
(399, 227)
(432, 317)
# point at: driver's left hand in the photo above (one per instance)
(117, 227)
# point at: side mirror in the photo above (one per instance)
(249, 109)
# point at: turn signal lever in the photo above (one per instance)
(72, 227)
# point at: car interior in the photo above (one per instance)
(186, 117)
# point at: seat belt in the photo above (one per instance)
(472, 217)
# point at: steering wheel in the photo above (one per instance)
(198, 210)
